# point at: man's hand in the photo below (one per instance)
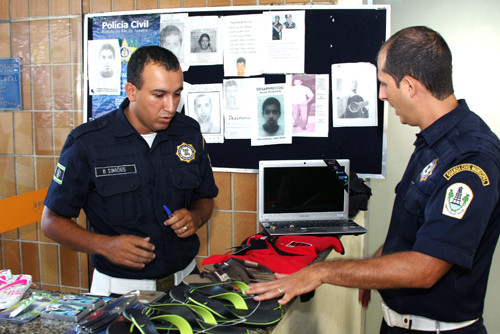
(364, 297)
(288, 286)
(184, 222)
(129, 251)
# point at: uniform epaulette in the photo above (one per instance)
(187, 120)
(93, 125)
(465, 142)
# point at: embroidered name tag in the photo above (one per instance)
(115, 170)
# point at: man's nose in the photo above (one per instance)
(169, 104)
(382, 93)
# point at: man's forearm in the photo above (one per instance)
(400, 270)
(203, 208)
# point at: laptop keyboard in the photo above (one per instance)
(316, 223)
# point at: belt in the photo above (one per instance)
(104, 284)
(419, 323)
(166, 283)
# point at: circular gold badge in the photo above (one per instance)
(186, 152)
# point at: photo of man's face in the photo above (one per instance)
(231, 95)
(203, 108)
(106, 62)
(271, 112)
(172, 43)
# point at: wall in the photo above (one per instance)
(470, 28)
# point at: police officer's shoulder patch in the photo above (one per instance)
(468, 168)
(186, 152)
(59, 173)
(457, 200)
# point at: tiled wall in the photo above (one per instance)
(47, 35)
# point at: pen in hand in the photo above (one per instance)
(167, 210)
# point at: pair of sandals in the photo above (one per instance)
(214, 308)
(233, 269)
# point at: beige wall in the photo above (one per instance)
(471, 30)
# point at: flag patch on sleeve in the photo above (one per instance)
(59, 173)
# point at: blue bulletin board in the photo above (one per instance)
(333, 35)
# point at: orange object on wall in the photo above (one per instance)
(17, 211)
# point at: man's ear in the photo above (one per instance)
(131, 91)
(411, 85)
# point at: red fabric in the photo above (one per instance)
(296, 252)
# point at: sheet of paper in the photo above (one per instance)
(239, 104)
(285, 50)
(204, 105)
(309, 95)
(271, 124)
(104, 67)
(243, 48)
(354, 94)
(174, 35)
(205, 40)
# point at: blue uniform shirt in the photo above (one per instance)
(109, 170)
(447, 206)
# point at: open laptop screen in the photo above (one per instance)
(309, 189)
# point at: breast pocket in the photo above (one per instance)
(186, 180)
(414, 211)
(120, 198)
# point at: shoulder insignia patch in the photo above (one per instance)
(427, 171)
(457, 200)
(468, 168)
(186, 152)
(59, 173)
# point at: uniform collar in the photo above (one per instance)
(443, 125)
(123, 128)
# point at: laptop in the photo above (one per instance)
(305, 197)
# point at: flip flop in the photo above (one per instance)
(119, 326)
(227, 306)
(142, 321)
(199, 318)
(217, 288)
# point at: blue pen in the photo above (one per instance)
(167, 210)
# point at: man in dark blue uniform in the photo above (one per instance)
(433, 267)
(122, 168)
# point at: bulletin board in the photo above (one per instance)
(333, 34)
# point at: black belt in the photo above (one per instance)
(165, 283)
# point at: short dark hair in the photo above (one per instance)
(241, 60)
(423, 54)
(271, 100)
(149, 54)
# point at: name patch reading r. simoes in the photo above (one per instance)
(115, 170)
